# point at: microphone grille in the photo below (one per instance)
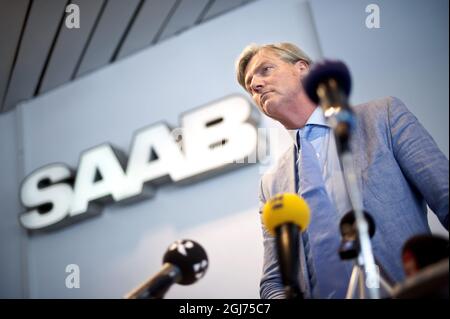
(190, 257)
(285, 208)
(324, 70)
(347, 226)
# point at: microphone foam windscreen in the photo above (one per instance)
(321, 72)
(347, 224)
(285, 208)
(189, 257)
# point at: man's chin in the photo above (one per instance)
(268, 108)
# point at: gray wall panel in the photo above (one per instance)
(13, 239)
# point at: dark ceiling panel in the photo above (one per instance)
(147, 25)
(185, 16)
(113, 24)
(69, 46)
(40, 31)
(12, 19)
(38, 53)
(221, 6)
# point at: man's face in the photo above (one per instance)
(275, 85)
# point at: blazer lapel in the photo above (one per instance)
(285, 179)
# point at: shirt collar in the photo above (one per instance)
(316, 118)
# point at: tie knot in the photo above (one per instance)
(314, 131)
(311, 132)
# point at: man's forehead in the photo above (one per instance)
(262, 56)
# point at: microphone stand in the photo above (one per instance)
(341, 118)
(350, 250)
(357, 279)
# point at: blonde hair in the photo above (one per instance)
(288, 52)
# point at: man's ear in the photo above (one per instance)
(303, 67)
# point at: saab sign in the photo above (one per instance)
(212, 138)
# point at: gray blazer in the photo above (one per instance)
(400, 169)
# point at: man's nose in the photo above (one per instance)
(257, 85)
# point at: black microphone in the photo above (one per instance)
(184, 262)
(328, 84)
(350, 247)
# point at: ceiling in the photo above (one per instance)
(38, 52)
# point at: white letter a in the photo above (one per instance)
(73, 280)
(373, 19)
(73, 18)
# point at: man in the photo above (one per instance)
(400, 169)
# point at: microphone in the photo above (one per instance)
(184, 262)
(350, 247)
(283, 216)
(329, 84)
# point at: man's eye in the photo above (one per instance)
(266, 69)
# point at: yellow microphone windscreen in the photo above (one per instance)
(285, 208)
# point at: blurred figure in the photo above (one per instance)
(421, 251)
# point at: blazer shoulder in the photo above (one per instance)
(379, 105)
(378, 109)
